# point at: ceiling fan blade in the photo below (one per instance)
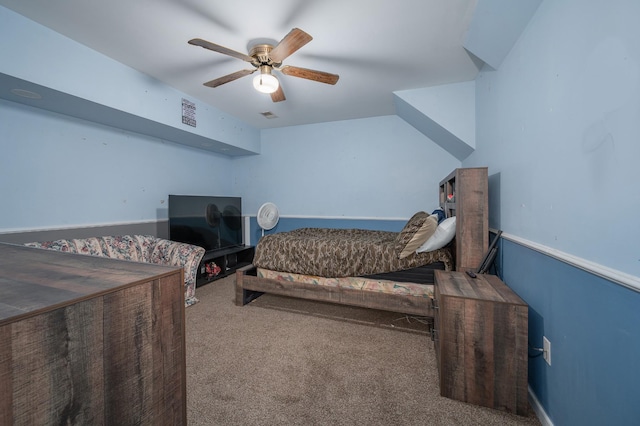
(278, 95)
(319, 76)
(220, 49)
(289, 44)
(227, 78)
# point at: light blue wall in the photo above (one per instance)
(58, 171)
(560, 122)
(558, 126)
(378, 168)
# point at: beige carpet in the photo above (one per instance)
(282, 361)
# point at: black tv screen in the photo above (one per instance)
(207, 221)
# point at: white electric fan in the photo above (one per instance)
(268, 216)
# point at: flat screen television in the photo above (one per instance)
(211, 222)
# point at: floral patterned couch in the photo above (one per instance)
(138, 248)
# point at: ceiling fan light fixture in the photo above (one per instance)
(265, 82)
(265, 57)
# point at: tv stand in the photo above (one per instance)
(227, 259)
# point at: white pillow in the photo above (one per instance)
(443, 235)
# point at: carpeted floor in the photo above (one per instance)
(282, 361)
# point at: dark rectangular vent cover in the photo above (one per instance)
(269, 114)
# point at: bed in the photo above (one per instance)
(383, 270)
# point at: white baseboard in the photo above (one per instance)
(539, 409)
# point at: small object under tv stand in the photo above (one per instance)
(227, 259)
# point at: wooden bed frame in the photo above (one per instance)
(467, 186)
(249, 286)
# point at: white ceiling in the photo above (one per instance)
(376, 46)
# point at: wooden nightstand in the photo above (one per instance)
(480, 338)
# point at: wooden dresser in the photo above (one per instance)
(480, 338)
(90, 340)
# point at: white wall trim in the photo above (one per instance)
(627, 280)
(539, 409)
(339, 217)
(83, 226)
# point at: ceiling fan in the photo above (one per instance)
(266, 58)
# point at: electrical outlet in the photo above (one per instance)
(546, 350)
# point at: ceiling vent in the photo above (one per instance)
(269, 115)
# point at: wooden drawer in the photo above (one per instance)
(480, 338)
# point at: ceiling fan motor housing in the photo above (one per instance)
(260, 54)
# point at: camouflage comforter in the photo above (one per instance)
(328, 252)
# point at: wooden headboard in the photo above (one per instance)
(464, 194)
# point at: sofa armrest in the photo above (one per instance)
(187, 256)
